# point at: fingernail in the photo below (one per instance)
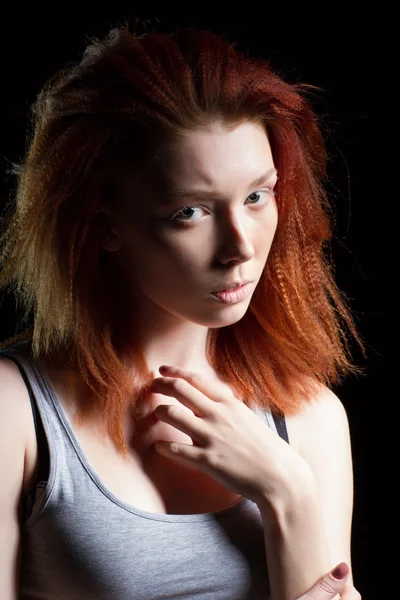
(340, 571)
(164, 368)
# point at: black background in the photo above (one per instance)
(327, 51)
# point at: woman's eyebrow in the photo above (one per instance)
(174, 193)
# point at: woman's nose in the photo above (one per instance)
(235, 243)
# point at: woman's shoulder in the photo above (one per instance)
(321, 418)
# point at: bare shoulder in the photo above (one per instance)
(16, 411)
(13, 393)
(322, 420)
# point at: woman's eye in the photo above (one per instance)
(181, 215)
(261, 192)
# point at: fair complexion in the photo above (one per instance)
(225, 236)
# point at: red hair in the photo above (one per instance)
(127, 92)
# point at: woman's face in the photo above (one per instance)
(174, 258)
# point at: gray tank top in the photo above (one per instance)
(81, 542)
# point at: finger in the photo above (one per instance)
(330, 585)
(216, 391)
(183, 391)
(185, 453)
(183, 420)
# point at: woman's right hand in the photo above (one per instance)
(329, 586)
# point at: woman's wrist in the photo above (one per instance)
(293, 486)
(294, 506)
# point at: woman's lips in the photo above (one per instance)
(229, 290)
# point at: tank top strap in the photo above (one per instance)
(280, 424)
(43, 452)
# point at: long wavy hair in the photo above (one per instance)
(128, 91)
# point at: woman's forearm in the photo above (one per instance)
(296, 546)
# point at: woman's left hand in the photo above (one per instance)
(230, 442)
(332, 584)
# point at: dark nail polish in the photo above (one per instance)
(340, 571)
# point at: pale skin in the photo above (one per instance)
(172, 269)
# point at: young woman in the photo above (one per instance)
(170, 211)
